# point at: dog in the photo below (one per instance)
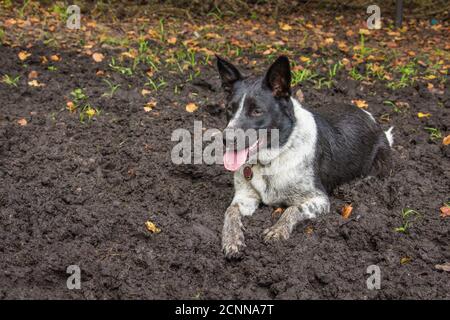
(315, 153)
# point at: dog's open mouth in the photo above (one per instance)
(233, 160)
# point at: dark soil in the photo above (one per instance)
(80, 193)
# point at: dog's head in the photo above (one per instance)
(258, 108)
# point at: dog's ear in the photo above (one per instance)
(228, 73)
(278, 78)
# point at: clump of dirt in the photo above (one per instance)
(76, 193)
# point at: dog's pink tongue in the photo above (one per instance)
(233, 160)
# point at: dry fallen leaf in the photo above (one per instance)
(405, 260)
(443, 267)
(360, 103)
(285, 27)
(445, 211)
(23, 55)
(22, 122)
(149, 106)
(446, 140)
(71, 106)
(191, 107)
(347, 211)
(172, 40)
(328, 41)
(130, 54)
(423, 115)
(365, 32)
(145, 92)
(98, 57)
(152, 227)
(304, 59)
(309, 230)
(33, 74)
(55, 58)
(35, 83)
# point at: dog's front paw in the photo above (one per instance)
(276, 232)
(233, 244)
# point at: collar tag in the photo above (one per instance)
(248, 173)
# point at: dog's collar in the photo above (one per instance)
(248, 172)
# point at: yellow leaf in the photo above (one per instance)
(329, 41)
(22, 122)
(172, 40)
(305, 59)
(54, 58)
(430, 77)
(285, 27)
(405, 260)
(145, 92)
(129, 54)
(423, 115)
(346, 211)
(191, 107)
(152, 227)
(365, 32)
(90, 112)
(35, 83)
(211, 35)
(343, 46)
(360, 104)
(446, 140)
(98, 57)
(23, 55)
(149, 106)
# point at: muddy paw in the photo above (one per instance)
(233, 245)
(276, 233)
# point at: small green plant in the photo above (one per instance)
(155, 85)
(393, 105)
(61, 11)
(112, 88)
(435, 133)
(302, 75)
(22, 9)
(162, 32)
(2, 35)
(120, 69)
(407, 73)
(362, 49)
(143, 46)
(78, 95)
(409, 216)
(10, 81)
(52, 68)
(216, 12)
(355, 75)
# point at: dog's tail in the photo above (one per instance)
(389, 136)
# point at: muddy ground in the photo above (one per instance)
(80, 193)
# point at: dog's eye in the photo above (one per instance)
(256, 112)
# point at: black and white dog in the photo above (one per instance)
(315, 153)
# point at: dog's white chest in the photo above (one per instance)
(274, 186)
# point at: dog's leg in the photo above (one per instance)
(309, 209)
(232, 233)
(244, 203)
